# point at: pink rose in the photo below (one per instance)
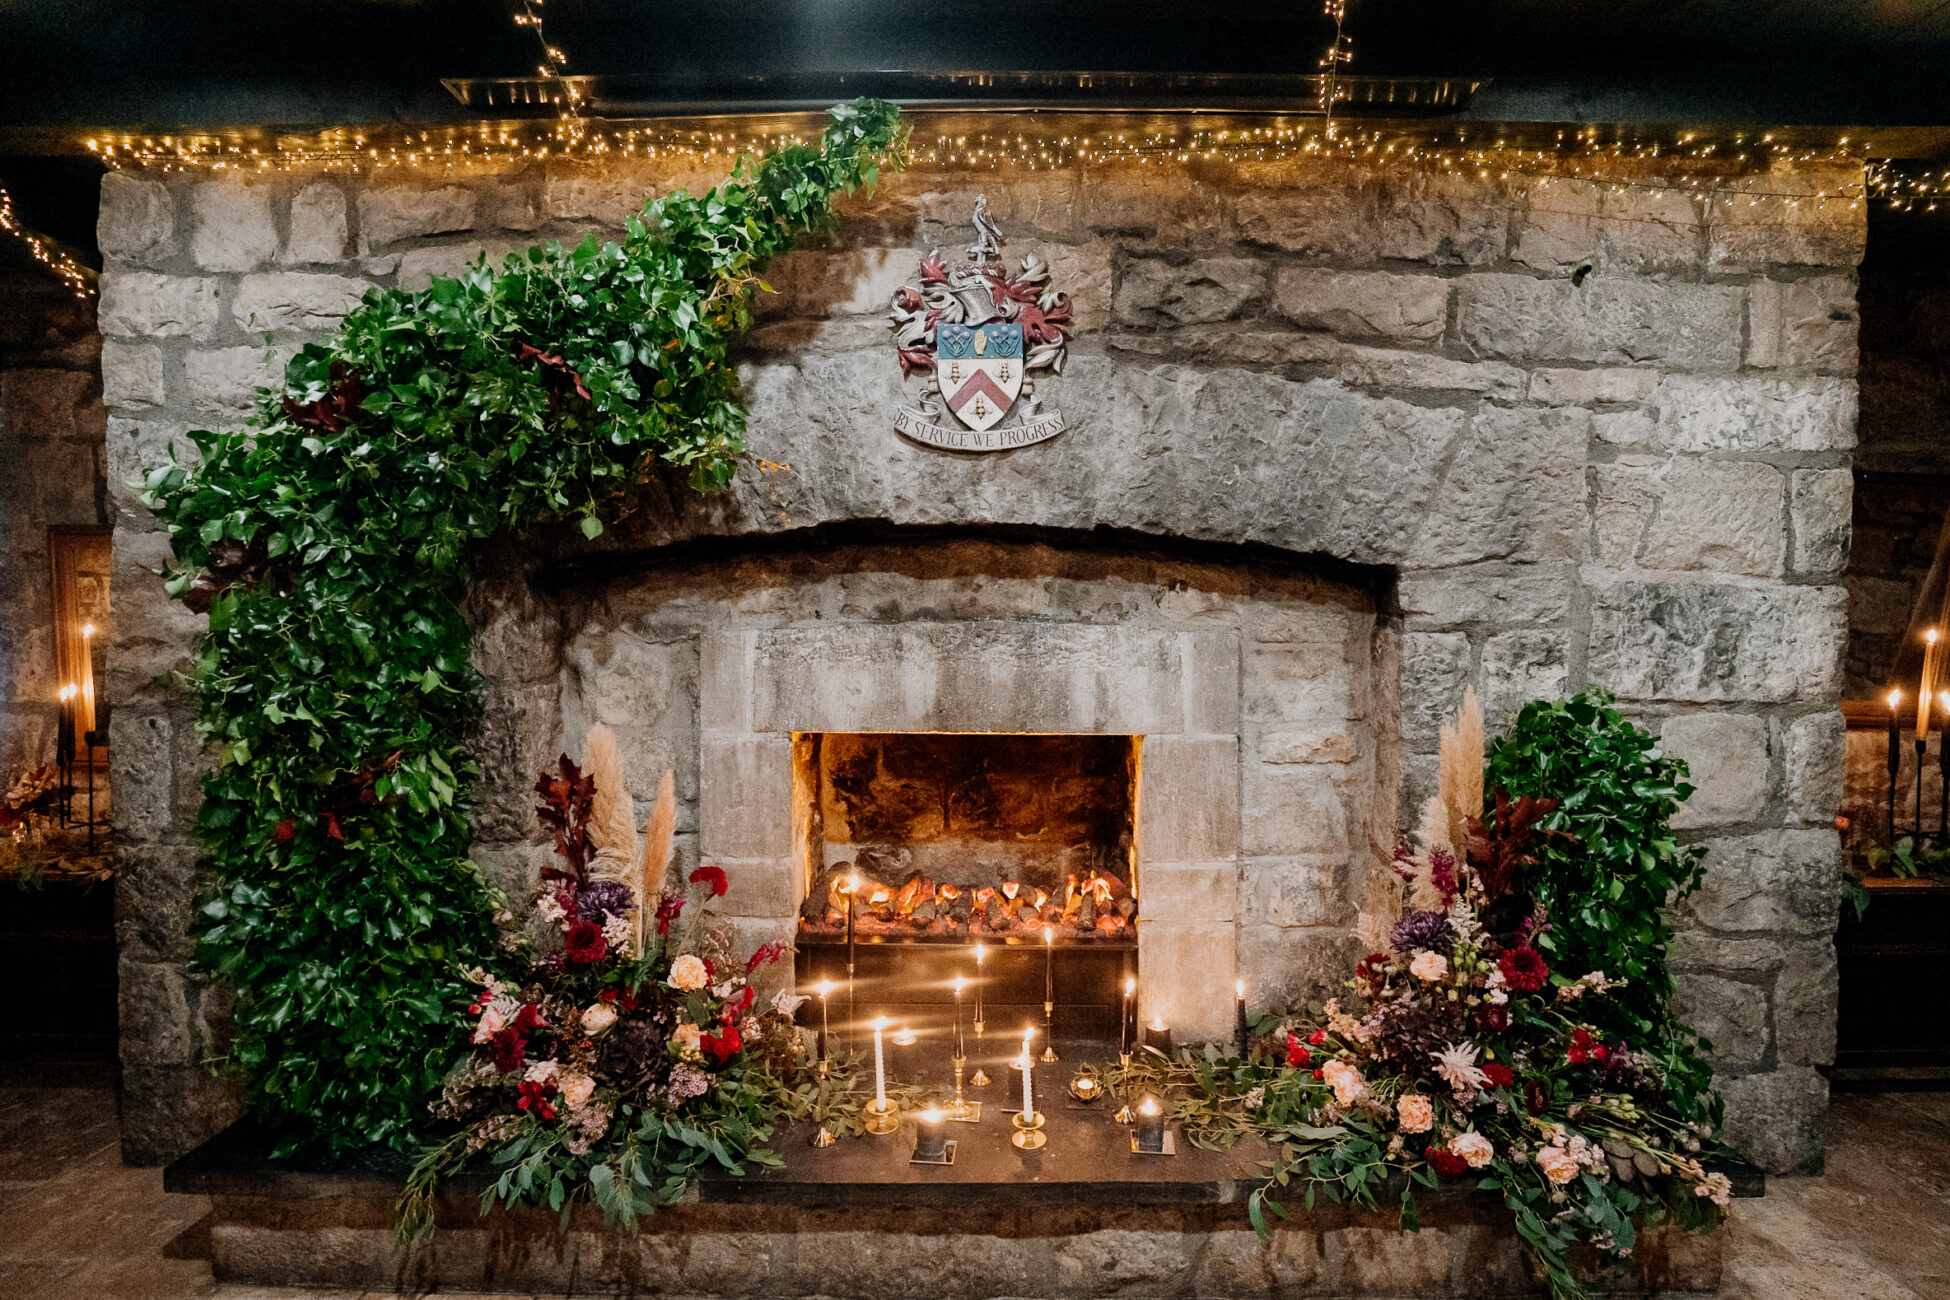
(688, 974)
(1344, 1079)
(576, 1088)
(1430, 966)
(1557, 1165)
(492, 1023)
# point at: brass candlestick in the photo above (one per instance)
(1029, 1135)
(980, 1078)
(823, 1137)
(963, 1111)
(1124, 1115)
(881, 1118)
(1049, 1032)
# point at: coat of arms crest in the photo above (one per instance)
(981, 333)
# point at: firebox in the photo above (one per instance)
(921, 847)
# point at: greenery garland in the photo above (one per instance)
(331, 544)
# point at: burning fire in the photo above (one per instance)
(1100, 906)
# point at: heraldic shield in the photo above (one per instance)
(980, 369)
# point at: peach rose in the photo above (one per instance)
(1430, 966)
(687, 974)
(1557, 1165)
(1474, 1148)
(1344, 1079)
(686, 1037)
(576, 1088)
(598, 1018)
(1415, 1113)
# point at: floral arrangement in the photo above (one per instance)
(629, 1052)
(1463, 1053)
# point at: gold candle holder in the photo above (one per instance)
(979, 1079)
(1124, 1114)
(1029, 1135)
(1049, 1032)
(881, 1118)
(963, 1111)
(823, 1137)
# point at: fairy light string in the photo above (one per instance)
(80, 279)
(1734, 170)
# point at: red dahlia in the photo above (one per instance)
(1499, 1074)
(1523, 969)
(585, 944)
(712, 876)
(1446, 1162)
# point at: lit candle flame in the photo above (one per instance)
(980, 953)
(1149, 1106)
(1895, 699)
(87, 629)
(1130, 985)
(960, 984)
(825, 987)
(1049, 935)
(1239, 989)
(932, 1117)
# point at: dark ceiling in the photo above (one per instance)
(180, 64)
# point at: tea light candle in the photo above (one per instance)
(1157, 1035)
(930, 1134)
(1150, 1125)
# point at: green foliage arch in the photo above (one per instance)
(331, 544)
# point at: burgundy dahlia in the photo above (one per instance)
(584, 944)
(1422, 931)
(1523, 969)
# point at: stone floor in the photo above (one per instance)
(76, 1225)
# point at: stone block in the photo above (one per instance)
(132, 374)
(606, 192)
(1730, 1015)
(1609, 320)
(760, 888)
(1185, 976)
(1717, 516)
(516, 205)
(1438, 599)
(1364, 367)
(37, 403)
(1293, 966)
(1807, 993)
(155, 901)
(1427, 216)
(1571, 223)
(1435, 671)
(1206, 890)
(137, 221)
(1623, 428)
(1821, 510)
(418, 266)
(295, 300)
(1298, 684)
(1292, 891)
(137, 304)
(1084, 272)
(1775, 1119)
(233, 229)
(1706, 414)
(1363, 303)
(1774, 882)
(142, 774)
(1305, 745)
(390, 214)
(154, 1014)
(1729, 757)
(1188, 810)
(745, 797)
(1816, 759)
(1212, 671)
(724, 680)
(1706, 642)
(1789, 225)
(1522, 666)
(1513, 491)
(1624, 497)
(818, 282)
(974, 676)
(519, 734)
(133, 448)
(165, 1111)
(223, 382)
(1802, 325)
(318, 231)
(1162, 206)
(1025, 204)
(1315, 211)
(1159, 293)
(1292, 810)
(1124, 1262)
(1606, 385)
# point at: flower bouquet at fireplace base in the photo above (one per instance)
(1460, 1055)
(626, 1053)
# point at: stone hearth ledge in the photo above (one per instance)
(1083, 1217)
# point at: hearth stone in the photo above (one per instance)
(1079, 1218)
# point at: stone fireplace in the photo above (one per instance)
(1341, 442)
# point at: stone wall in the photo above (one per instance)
(51, 421)
(1592, 434)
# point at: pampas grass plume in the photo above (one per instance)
(612, 817)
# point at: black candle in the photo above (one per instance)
(1895, 757)
(1157, 1036)
(930, 1135)
(1242, 1034)
(1151, 1125)
(1124, 1021)
(824, 989)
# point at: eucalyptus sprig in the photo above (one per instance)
(331, 544)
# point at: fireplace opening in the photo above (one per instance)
(1007, 859)
(966, 837)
